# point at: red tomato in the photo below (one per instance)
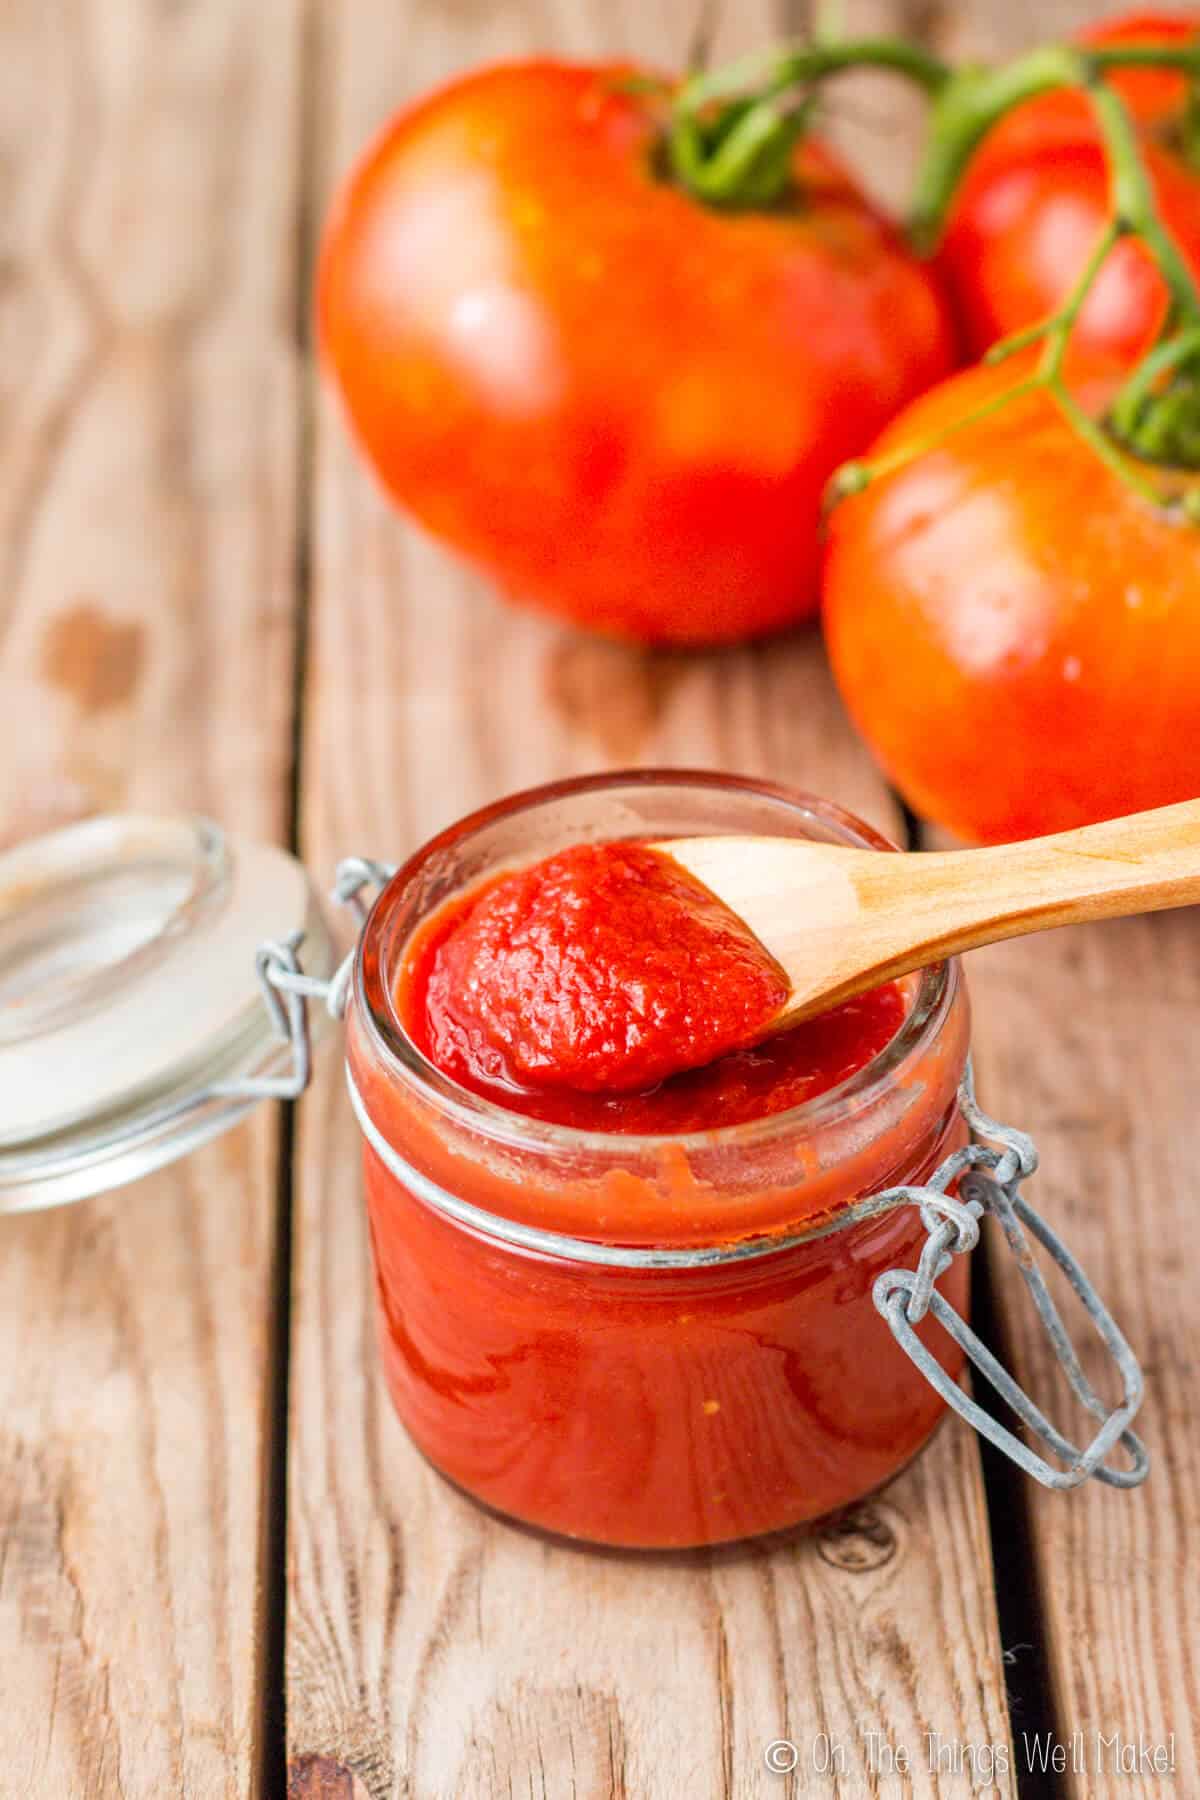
(1036, 198)
(1014, 630)
(620, 404)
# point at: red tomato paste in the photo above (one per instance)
(603, 969)
(606, 988)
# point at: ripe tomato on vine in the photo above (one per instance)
(1014, 628)
(1037, 195)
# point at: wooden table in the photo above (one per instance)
(205, 1502)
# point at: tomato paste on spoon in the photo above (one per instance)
(607, 988)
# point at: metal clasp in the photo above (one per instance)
(990, 1180)
(287, 990)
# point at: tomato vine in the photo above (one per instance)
(731, 138)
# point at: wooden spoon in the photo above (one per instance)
(839, 921)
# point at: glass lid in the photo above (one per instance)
(128, 989)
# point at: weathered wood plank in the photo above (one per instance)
(148, 442)
(1087, 1039)
(434, 1651)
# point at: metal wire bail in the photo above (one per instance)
(286, 991)
(989, 1179)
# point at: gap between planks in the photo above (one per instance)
(273, 1761)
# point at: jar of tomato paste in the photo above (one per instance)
(654, 1321)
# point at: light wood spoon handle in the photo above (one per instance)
(840, 920)
(1142, 863)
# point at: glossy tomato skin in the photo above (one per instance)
(1014, 631)
(1035, 199)
(622, 405)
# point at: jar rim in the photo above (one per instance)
(936, 988)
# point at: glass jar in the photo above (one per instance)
(648, 1341)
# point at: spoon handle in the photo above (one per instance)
(1142, 863)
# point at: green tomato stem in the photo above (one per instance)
(1109, 453)
(974, 100)
(732, 131)
(1157, 411)
(1133, 196)
(1061, 325)
(854, 477)
(965, 110)
(1184, 57)
(1162, 360)
(751, 166)
(766, 72)
(1056, 327)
